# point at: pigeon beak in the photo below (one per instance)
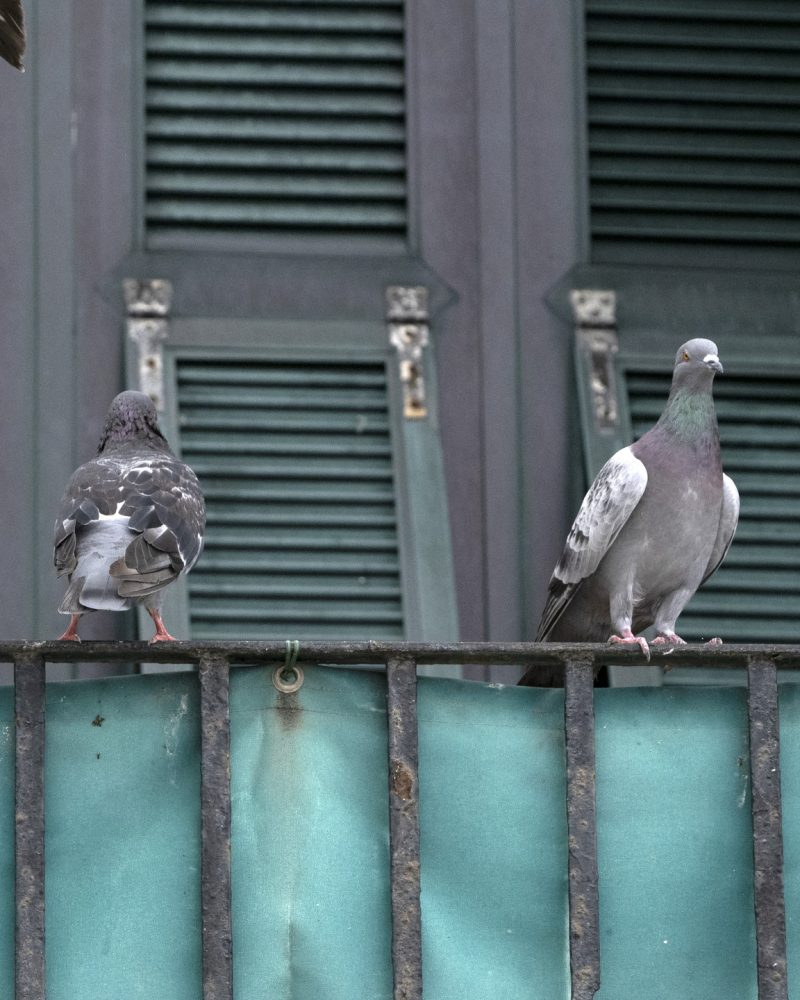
(712, 361)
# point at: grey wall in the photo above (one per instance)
(495, 169)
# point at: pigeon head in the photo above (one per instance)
(696, 364)
(132, 416)
(689, 412)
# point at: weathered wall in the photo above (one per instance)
(495, 174)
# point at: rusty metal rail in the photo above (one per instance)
(579, 663)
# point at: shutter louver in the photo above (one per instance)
(295, 460)
(274, 118)
(694, 131)
(755, 595)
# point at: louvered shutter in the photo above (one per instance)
(295, 459)
(274, 118)
(755, 595)
(694, 131)
(327, 510)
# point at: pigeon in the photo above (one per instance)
(12, 32)
(131, 520)
(656, 523)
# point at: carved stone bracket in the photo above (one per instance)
(595, 315)
(148, 304)
(407, 318)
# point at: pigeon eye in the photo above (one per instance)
(685, 355)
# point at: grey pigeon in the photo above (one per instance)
(12, 32)
(131, 520)
(655, 524)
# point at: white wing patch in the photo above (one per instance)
(609, 503)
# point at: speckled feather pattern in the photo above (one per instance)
(136, 488)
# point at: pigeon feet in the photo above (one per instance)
(668, 638)
(629, 639)
(716, 641)
(161, 633)
(163, 637)
(71, 633)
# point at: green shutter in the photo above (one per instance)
(694, 131)
(295, 459)
(327, 509)
(755, 595)
(274, 118)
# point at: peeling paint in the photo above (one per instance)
(172, 728)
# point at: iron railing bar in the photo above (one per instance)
(29, 700)
(215, 827)
(765, 779)
(401, 705)
(377, 652)
(584, 902)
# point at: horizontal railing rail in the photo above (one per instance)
(579, 663)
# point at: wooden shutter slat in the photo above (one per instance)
(693, 130)
(272, 118)
(302, 531)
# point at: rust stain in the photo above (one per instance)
(289, 709)
(402, 780)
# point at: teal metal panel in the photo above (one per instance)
(693, 131)
(267, 118)
(310, 857)
(674, 844)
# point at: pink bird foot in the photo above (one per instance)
(629, 639)
(71, 633)
(668, 639)
(161, 634)
(716, 641)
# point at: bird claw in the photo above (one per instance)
(716, 641)
(629, 639)
(162, 637)
(668, 639)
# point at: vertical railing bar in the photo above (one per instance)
(765, 785)
(584, 905)
(29, 699)
(401, 703)
(215, 827)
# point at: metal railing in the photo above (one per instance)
(579, 664)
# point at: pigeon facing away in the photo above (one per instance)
(12, 32)
(131, 520)
(655, 524)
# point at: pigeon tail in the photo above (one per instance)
(99, 544)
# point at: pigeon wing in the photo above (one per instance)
(609, 503)
(166, 510)
(728, 519)
(91, 492)
(12, 32)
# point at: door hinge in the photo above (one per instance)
(148, 305)
(595, 313)
(407, 318)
